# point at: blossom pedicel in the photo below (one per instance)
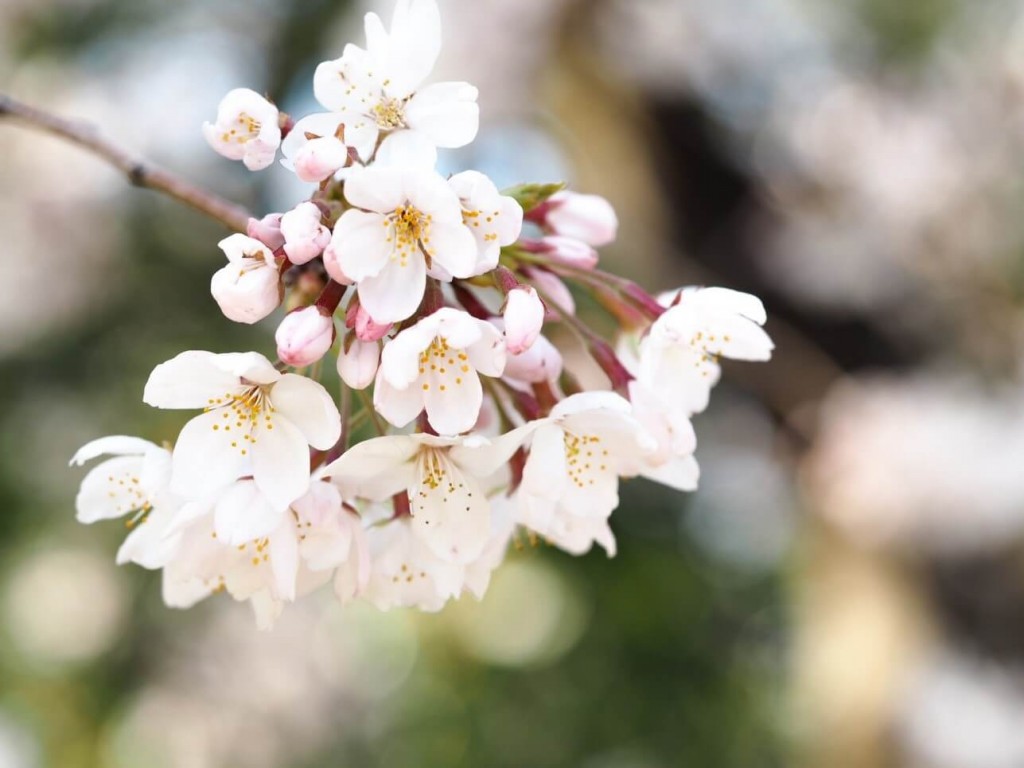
(476, 425)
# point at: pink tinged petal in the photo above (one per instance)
(376, 469)
(317, 125)
(400, 361)
(453, 247)
(114, 445)
(398, 406)
(446, 112)
(319, 159)
(266, 230)
(546, 472)
(280, 461)
(555, 290)
(415, 42)
(396, 292)
(189, 380)
(111, 489)
(309, 407)
(204, 460)
(452, 400)
(380, 190)
(363, 244)
(541, 362)
(358, 365)
(450, 513)
(284, 561)
(589, 218)
(524, 318)
(243, 514)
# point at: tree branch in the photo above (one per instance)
(139, 172)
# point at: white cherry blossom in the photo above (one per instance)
(256, 421)
(435, 365)
(249, 287)
(403, 223)
(571, 478)
(494, 219)
(379, 89)
(446, 481)
(672, 463)
(134, 482)
(679, 356)
(247, 129)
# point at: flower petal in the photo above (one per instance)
(376, 469)
(446, 112)
(280, 462)
(453, 401)
(111, 489)
(454, 248)
(190, 380)
(396, 292)
(204, 460)
(307, 405)
(284, 561)
(114, 445)
(546, 471)
(243, 514)
(450, 513)
(376, 189)
(398, 406)
(361, 243)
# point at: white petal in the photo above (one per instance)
(546, 473)
(488, 355)
(453, 247)
(398, 406)
(284, 561)
(189, 380)
(399, 363)
(740, 339)
(415, 42)
(243, 514)
(450, 512)
(481, 457)
(280, 462)
(111, 489)
(681, 473)
(407, 149)
(590, 401)
(307, 405)
(453, 401)
(361, 244)
(204, 461)
(115, 445)
(446, 112)
(380, 190)
(376, 469)
(728, 300)
(396, 292)
(148, 544)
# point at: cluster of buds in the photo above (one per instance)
(458, 422)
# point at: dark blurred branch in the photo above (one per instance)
(139, 172)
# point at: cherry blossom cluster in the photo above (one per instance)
(460, 426)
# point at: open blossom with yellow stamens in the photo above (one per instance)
(246, 129)
(249, 287)
(404, 224)
(379, 90)
(256, 421)
(435, 365)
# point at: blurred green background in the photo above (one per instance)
(847, 587)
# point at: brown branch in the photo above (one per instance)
(139, 172)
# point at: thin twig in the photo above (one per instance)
(139, 172)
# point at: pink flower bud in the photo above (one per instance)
(249, 287)
(589, 218)
(368, 329)
(304, 236)
(564, 250)
(558, 293)
(320, 158)
(267, 230)
(524, 318)
(541, 362)
(357, 365)
(304, 336)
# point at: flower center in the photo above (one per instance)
(442, 364)
(389, 114)
(411, 227)
(241, 414)
(245, 128)
(584, 458)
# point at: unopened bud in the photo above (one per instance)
(366, 328)
(267, 230)
(304, 336)
(333, 267)
(556, 292)
(304, 236)
(524, 318)
(320, 158)
(357, 365)
(249, 287)
(564, 250)
(589, 218)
